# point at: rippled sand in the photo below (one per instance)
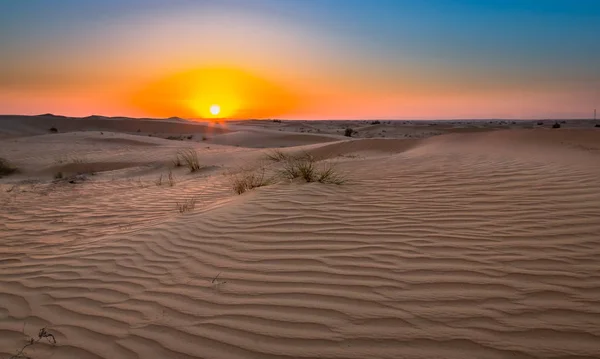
(464, 245)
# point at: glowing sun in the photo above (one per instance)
(215, 109)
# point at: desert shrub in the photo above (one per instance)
(330, 175)
(276, 156)
(348, 132)
(42, 334)
(204, 138)
(189, 158)
(248, 180)
(305, 166)
(6, 167)
(277, 121)
(186, 206)
(59, 175)
(53, 130)
(376, 122)
(540, 123)
(556, 125)
(597, 125)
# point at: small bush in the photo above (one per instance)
(189, 158)
(186, 206)
(597, 125)
(277, 121)
(276, 156)
(376, 122)
(53, 130)
(248, 180)
(306, 167)
(330, 175)
(59, 175)
(348, 132)
(204, 138)
(540, 123)
(6, 167)
(556, 125)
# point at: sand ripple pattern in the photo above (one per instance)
(421, 255)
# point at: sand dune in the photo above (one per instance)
(466, 245)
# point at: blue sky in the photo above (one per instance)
(446, 50)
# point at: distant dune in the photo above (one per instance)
(464, 240)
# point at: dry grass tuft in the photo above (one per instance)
(170, 179)
(305, 166)
(6, 168)
(188, 158)
(186, 206)
(248, 180)
(276, 156)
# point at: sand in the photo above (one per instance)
(473, 240)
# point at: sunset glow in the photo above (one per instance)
(301, 60)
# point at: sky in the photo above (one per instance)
(301, 59)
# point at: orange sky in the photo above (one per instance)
(292, 59)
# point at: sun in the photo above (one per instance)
(215, 109)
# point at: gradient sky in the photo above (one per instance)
(308, 59)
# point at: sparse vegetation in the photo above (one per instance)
(188, 158)
(277, 121)
(170, 179)
(305, 167)
(276, 156)
(6, 168)
(186, 206)
(248, 180)
(58, 175)
(53, 130)
(556, 125)
(376, 122)
(204, 138)
(42, 334)
(597, 125)
(348, 132)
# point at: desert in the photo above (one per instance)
(472, 239)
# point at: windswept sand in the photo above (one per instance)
(469, 244)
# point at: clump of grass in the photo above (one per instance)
(186, 206)
(248, 180)
(305, 167)
(188, 158)
(330, 175)
(6, 168)
(276, 156)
